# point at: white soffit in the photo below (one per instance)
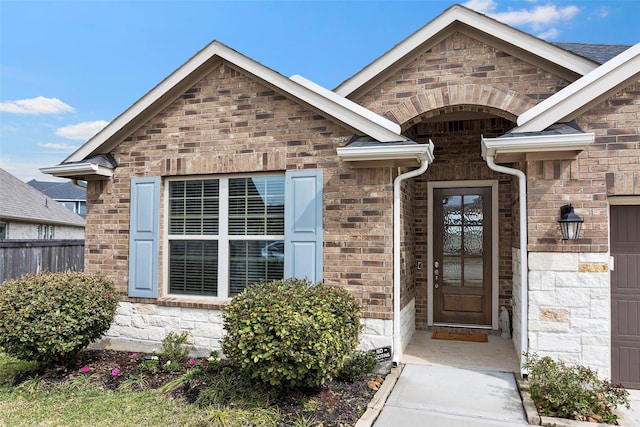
(178, 81)
(536, 144)
(460, 14)
(584, 93)
(356, 108)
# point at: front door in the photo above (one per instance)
(462, 256)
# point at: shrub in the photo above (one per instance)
(573, 392)
(50, 317)
(358, 366)
(291, 333)
(175, 347)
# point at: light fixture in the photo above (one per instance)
(570, 223)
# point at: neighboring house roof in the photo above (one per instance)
(599, 53)
(459, 18)
(584, 93)
(201, 64)
(59, 190)
(21, 202)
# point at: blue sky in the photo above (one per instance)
(69, 67)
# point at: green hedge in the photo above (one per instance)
(50, 317)
(291, 333)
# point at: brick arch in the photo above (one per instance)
(456, 98)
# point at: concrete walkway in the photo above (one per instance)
(446, 396)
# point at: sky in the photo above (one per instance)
(67, 68)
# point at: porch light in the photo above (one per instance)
(570, 223)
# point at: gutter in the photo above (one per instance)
(70, 170)
(424, 164)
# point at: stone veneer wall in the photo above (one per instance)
(569, 308)
(141, 327)
(516, 318)
(407, 323)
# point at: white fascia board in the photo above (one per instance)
(585, 92)
(270, 77)
(356, 108)
(536, 144)
(395, 152)
(475, 20)
(78, 169)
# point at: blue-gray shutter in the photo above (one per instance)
(143, 237)
(303, 224)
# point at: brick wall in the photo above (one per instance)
(462, 71)
(609, 167)
(227, 123)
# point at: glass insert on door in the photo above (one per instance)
(462, 240)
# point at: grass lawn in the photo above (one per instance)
(68, 398)
(79, 403)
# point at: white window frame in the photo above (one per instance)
(223, 238)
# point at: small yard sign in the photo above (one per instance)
(383, 353)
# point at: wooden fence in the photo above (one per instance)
(19, 257)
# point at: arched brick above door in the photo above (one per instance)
(457, 98)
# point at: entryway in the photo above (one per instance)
(463, 255)
(497, 354)
(625, 296)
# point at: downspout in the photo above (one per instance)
(77, 185)
(424, 164)
(524, 269)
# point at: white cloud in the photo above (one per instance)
(539, 17)
(81, 131)
(482, 6)
(28, 170)
(542, 19)
(53, 146)
(38, 105)
(550, 34)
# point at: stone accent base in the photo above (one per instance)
(569, 308)
(141, 327)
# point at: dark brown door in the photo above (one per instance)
(625, 296)
(462, 255)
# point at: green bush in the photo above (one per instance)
(50, 317)
(175, 347)
(291, 333)
(573, 392)
(358, 366)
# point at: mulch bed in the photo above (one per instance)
(336, 404)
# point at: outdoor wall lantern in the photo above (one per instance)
(570, 223)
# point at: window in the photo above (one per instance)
(225, 234)
(3, 230)
(45, 231)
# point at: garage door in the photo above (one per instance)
(625, 296)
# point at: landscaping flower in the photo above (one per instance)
(133, 355)
(115, 371)
(85, 369)
(192, 362)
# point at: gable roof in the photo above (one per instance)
(584, 93)
(202, 63)
(599, 53)
(21, 202)
(59, 190)
(459, 18)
